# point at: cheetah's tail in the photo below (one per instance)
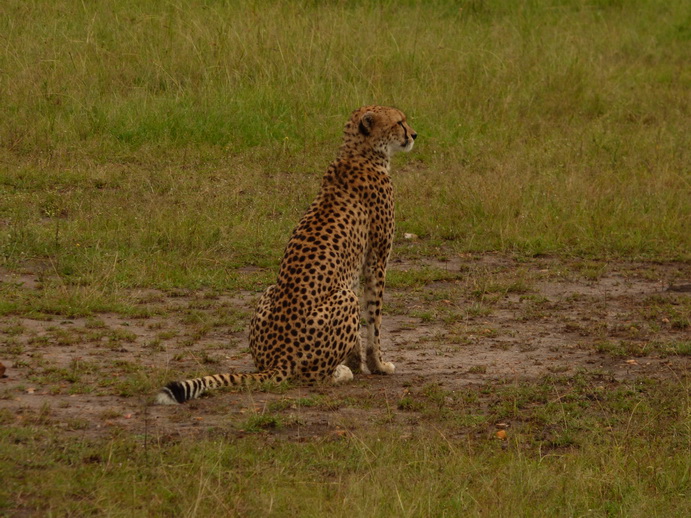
(180, 391)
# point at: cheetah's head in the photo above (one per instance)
(381, 128)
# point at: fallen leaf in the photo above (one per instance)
(30, 390)
(632, 362)
(501, 435)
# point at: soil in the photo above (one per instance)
(483, 320)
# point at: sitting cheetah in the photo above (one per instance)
(307, 326)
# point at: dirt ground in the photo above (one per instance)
(475, 321)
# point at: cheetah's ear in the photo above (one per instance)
(366, 123)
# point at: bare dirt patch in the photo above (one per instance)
(486, 320)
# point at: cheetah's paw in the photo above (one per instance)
(388, 368)
(342, 374)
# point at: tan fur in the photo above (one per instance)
(307, 325)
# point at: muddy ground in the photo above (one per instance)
(461, 324)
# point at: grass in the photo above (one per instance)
(174, 145)
(572, 447)
(160, 144)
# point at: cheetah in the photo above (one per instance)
(307, 326)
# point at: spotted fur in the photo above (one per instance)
(307, 325)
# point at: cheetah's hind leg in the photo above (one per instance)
(355, 360)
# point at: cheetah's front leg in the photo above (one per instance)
(374, 278)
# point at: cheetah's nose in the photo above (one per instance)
(414, 136)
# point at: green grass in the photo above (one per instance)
(164, 144)
(573, 447)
